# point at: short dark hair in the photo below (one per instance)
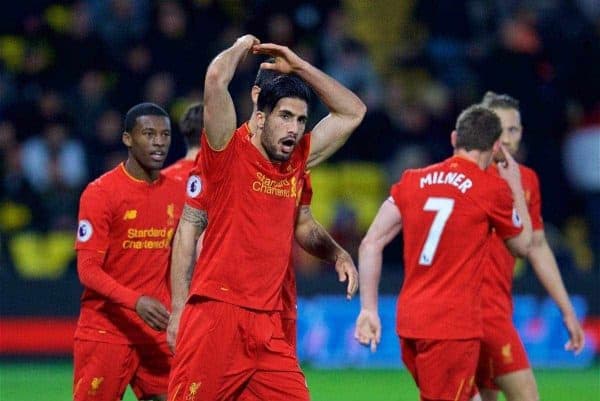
(494, 100)
(477, 128)
(285, 85)
(142, 109)
(266, 75)
(190, 124)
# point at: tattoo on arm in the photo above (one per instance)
(319, 243)
(198, 218)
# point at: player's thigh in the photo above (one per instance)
(101, 371)
(211, 361)
(151, 379)
(277, 386)
(518, 386)
(502, 352)
(487, 394)
(446, 368)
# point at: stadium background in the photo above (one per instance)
(70, 69)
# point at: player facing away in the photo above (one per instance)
(309, 234)
(190, 125)
(127, 218)
(503, 362)
(446, 212)
(230, 339)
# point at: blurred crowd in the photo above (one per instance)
(71, 69)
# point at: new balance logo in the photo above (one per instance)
(130, 214)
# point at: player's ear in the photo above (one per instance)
(496, 148)
(453, 138)
(254, 94)
(260, 120)
(126, 138)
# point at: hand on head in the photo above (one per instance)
(285, 60)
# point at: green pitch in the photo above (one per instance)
(51, 381)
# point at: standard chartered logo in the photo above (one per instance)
(148, 238)
(286, 188)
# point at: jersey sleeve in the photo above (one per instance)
(307, 191)
(502, 214)
(396, 190)
(92, 276)
(214, 162)
(194, 191)
(535, 204)
(95, 216)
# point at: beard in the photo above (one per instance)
(269, 144)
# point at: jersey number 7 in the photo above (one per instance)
(442, 208)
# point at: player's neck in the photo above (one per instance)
(192, 153)
(482, 159)
(138, 172)
(252, 122)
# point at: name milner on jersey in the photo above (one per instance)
(462, 182)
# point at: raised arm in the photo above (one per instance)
(346, 110)
(191, 226)
(545, 267)
(509, 171)
(219, 111)
(315, 239)
(385, 227)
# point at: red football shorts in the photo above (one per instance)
(442, 369)
(502, 352)
(225, 351)
(289, 331)
(102, 371)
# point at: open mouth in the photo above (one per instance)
(287, 145)
(158, 156)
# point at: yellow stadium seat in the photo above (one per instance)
(42, 256)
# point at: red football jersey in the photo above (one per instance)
(448, 211)
(288, 291)
(132, 223)
(251, 205)
(496, 299)
(180, 170)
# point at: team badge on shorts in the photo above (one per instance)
(194, 186)
(84, 231)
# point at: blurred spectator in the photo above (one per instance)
(120, 21)
(105, 143)
(581, 155)
(133, 71)
(170, 39)
(450, 34)
(79, 38)
(353, 68)
(55, 164)
(160, 89)
(20, 205)
(89, 100)
(54, 159)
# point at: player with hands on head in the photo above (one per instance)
(503, 363)
(251, 186)
(446, 212)
(126, 222)
(309, 234)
